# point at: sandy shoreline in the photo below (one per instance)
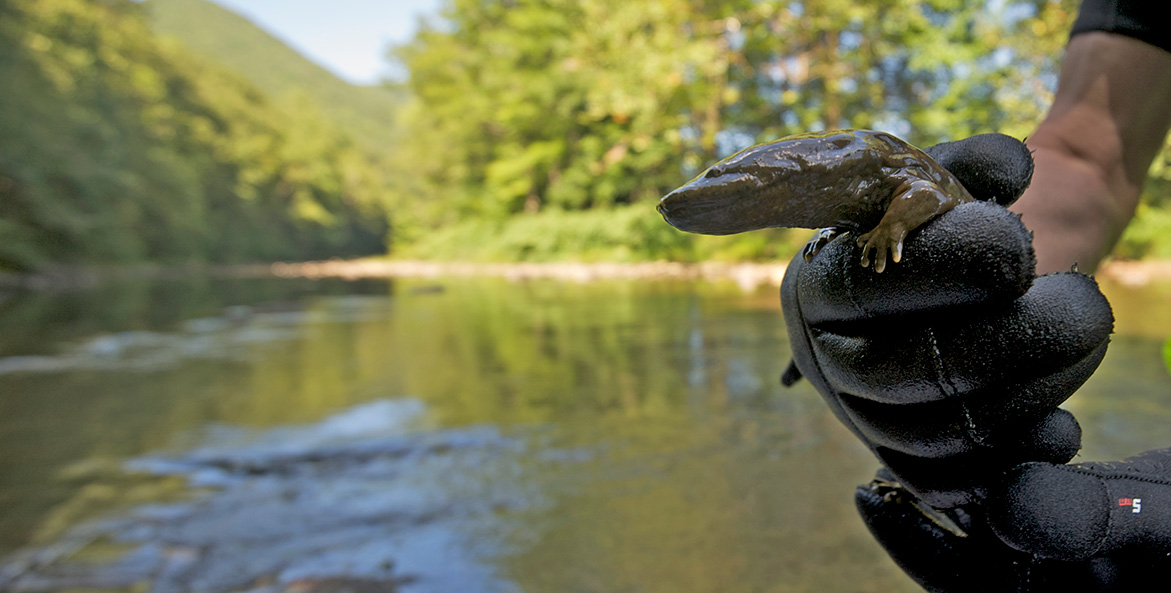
(747, 275)
(1130, 273)
(1136, 273)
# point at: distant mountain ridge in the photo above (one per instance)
(209, 30)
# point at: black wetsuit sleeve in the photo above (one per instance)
(1145, 20)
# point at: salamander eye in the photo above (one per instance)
(842, 142)
(712, 172)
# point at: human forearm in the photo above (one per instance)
(1108, 121)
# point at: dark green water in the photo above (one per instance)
(470, 435)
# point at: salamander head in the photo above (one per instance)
(758, 187)
(718, 202)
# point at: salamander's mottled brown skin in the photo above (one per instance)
(845, 180)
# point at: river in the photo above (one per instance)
(452, 434)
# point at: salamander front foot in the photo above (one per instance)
(884, 239)
(819, 240)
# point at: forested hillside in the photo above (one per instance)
(116, 147)
(366, 113)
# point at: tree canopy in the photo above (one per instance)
(539, 106)
(526, 129)
(579, 104)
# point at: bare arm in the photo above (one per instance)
(1093, 150)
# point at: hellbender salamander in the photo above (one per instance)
(844, 180)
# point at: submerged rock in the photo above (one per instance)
(363, 501)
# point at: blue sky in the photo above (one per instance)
(349, 37)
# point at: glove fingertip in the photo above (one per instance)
(992, 167)
(974, 254)
(1056, 439)
(1086, 510)
(1052, 511)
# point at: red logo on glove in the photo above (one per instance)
(1135, 504)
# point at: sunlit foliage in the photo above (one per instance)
(532, 106)
(584, 103)
(527, 129)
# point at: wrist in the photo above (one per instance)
(1078, 203)
(1092, 152)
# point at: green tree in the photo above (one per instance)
(530, 105)
(555, 103)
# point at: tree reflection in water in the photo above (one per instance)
(471, 435)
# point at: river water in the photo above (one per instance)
(219, 434)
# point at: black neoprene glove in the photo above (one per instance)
(951, 363)
(1045, 528)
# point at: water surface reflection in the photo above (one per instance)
(472, 435)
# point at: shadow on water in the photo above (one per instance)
(460, 435)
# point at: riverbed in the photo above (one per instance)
(443, 433)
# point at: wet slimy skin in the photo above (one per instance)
(839, 181)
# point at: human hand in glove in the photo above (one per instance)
(951, 363)
(950, 366)
(952, 376)
(1084, 527)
